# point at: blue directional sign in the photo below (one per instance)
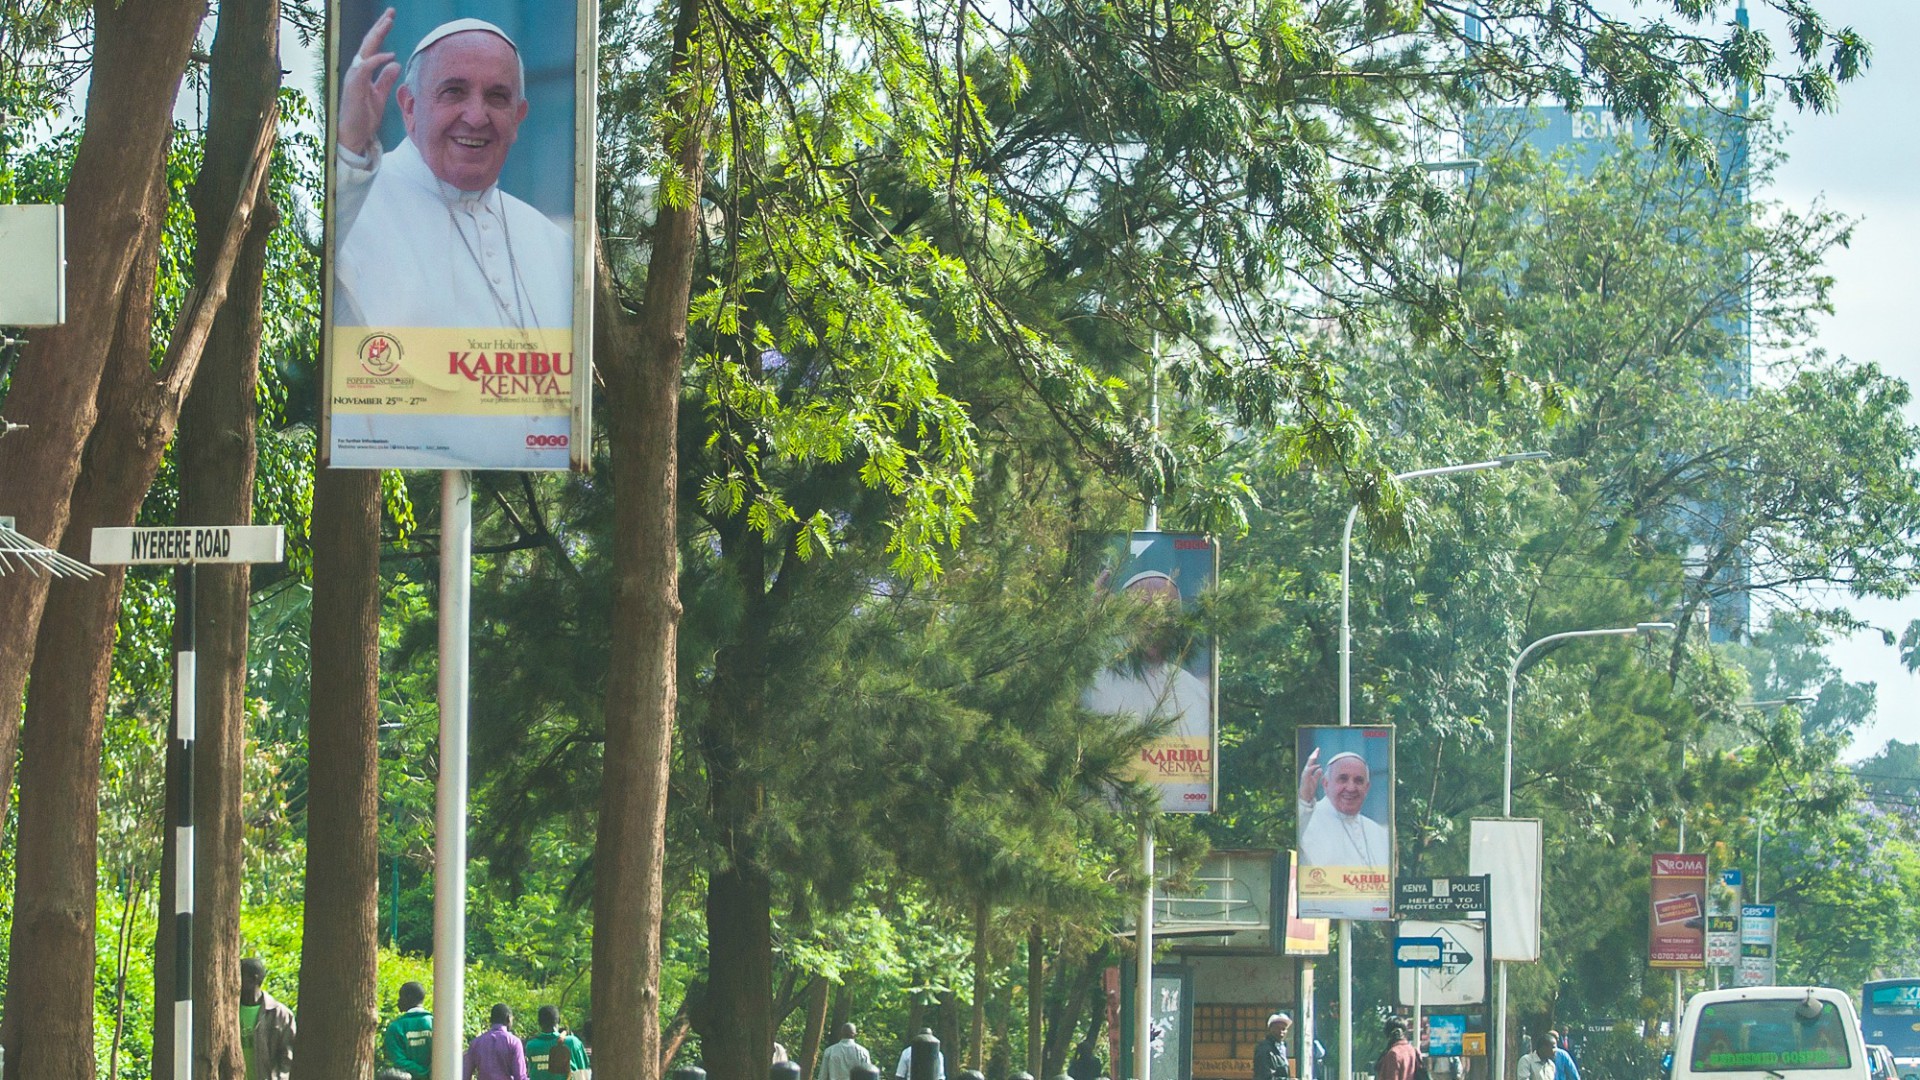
(1419, 952)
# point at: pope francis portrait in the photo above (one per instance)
(424, 237)
(1333, 830)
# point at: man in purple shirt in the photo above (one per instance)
(496, 1054)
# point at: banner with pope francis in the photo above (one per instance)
(1167, 672)
(458, 234)
(1345, 834)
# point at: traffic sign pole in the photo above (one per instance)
(450, 795)
(184, 547)
(180, 784)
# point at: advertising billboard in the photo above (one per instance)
(1677, 919)
(1168, 673)
(458, 234)
(1510, 852)
(1345, 829)
(1759, 928)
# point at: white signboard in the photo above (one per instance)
(33, 265)
(460, 235)
(1510, 852)
(1758, 928)
(1461, 978)
(190, 544)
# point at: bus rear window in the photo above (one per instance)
(1743, 1036)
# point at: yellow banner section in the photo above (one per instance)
(436, 371)
(1176, 759)
(1346, 882)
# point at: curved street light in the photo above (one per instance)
(1346, 693)
(1760, 823)
(1506, 788)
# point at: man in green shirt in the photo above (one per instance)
(541, 1049)
(408, 1044)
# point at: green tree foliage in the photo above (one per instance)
(948, 257)
(1621, 284)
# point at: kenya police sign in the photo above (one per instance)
(190, 544)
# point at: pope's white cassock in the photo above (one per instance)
(413, 250)
(1331, 838)
(1156, 692)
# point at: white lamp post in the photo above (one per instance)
(1346, 699)
(1506, 793)
(1759, 823)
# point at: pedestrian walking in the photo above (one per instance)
(1399, 1060)
(1563, 1066)
(838, 1061)
(1538, 1062)
(496, 1053)
(554, 1053)
(407, 1044)
(1270, 1055)
(266, 1026)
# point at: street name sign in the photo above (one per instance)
(190, 544)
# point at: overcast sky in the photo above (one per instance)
(1864, 161)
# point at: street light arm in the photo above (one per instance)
(1500, 462)
(1513, 679)
(1346, 562)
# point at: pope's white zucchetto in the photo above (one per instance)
(460, 26)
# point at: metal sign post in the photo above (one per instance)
(185, 547)
(450, 792)
(1418, 953)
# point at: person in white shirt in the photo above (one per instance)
(1538, 1063)
(424, 236)
(838, 1061)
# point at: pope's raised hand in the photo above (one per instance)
(1310, 777)
(364, 89)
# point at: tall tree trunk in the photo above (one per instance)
(736, 1024)
(977, 1039)
(1077, 982)
(818, 991)
(137, 409)
(1036, 1001)
(53, 920)
(55, 891)
(338, 941)
(641, 360)
(216, 458)
(140, 52)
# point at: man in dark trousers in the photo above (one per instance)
(1399, 1060)
(1270, 1056)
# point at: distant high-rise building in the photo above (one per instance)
(1583, 139)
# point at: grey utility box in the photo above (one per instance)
(33, 265)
